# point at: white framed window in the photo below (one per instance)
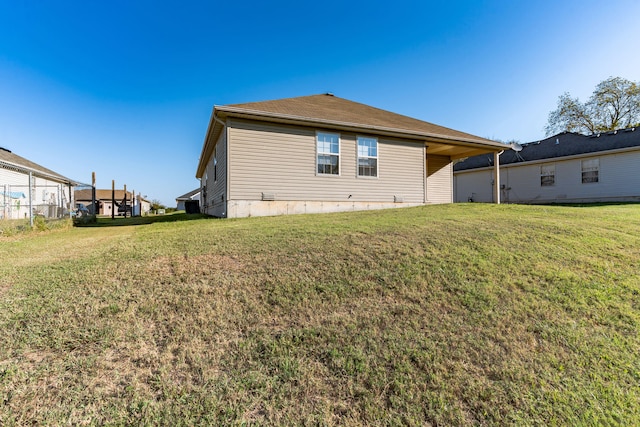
(590, 170)
(547, 175)
(327, 153)
(367, 156)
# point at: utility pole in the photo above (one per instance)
(125, 200)
(93, 194)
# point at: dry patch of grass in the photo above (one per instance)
(441, 315)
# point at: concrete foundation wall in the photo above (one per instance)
(248, 208)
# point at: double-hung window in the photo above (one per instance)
(547, 175)
(590, 169)
(328, 153)
(367, 156)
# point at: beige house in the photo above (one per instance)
(322, 153)
(104, 201)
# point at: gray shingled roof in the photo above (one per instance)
(187, 196)
(20, 163)
(332, 112)
(560, 145)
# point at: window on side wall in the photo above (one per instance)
(215, 164)
(328, 153)
(547, 175)
(204, 189)
(590, 170)
(367, 156)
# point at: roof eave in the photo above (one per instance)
(403, 133)
(53, 177)
(209, 143)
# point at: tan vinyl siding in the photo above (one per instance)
(617, 178)
(619, 175)
(216, 201)
(281, 160)
(10, 177)
(439, 179)
(475, 186)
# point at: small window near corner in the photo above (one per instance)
(590, 171)
(215, 164)
(547, 175)
(367, 156)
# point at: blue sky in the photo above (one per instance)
(125, 88)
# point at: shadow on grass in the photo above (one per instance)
(141, 220)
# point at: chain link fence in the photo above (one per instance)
(49, 201)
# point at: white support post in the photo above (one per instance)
(496, 179)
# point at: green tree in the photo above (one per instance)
(614, 104)
(155, 205)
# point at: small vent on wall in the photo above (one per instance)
(268, 196)
(398, 198)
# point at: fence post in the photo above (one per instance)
(125, 200)
(70, 200)
(30, 200)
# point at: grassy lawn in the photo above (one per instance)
(464, 314)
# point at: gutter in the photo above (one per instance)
(554, 159)
(218, 120)
(205, 147)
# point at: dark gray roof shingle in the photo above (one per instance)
(187, 196)
(560, 145)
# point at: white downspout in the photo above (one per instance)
(227, 172)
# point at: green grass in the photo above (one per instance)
(465, 314)
(13, 227)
